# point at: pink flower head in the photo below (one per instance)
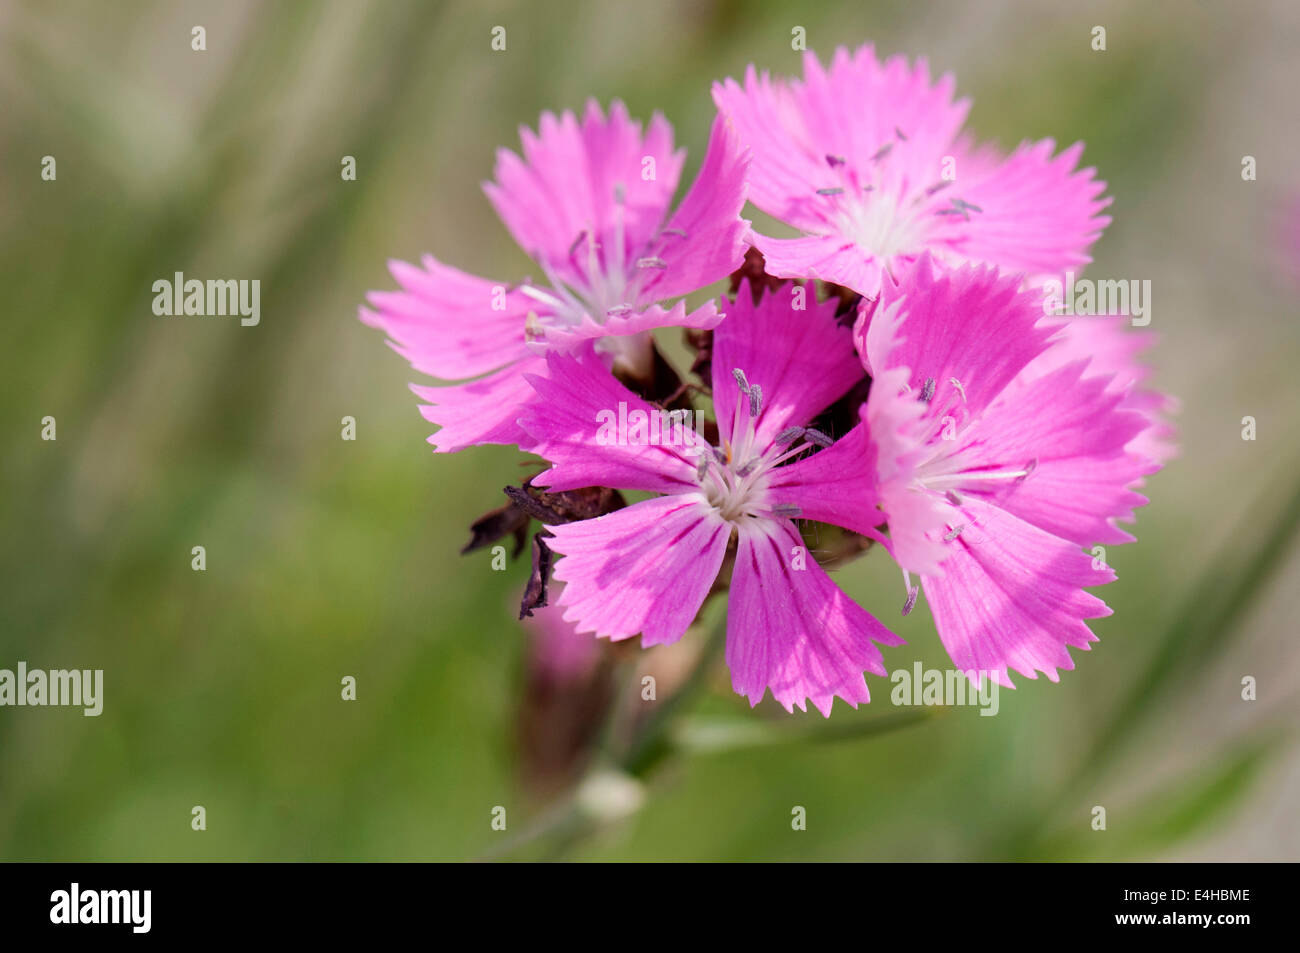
(868, 161)
(589, 201)
(996, 463)
(647, 568)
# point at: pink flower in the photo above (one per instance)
(998, 458)
(647, 568)
(589, 201)
(867, 160)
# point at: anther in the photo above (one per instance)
(789, 435)
(954, 533)
(576, 242)
(651, 262)
(898, 132)
(882, 152)
(960, 388)
(835, 191)
(834, 160)
(679, 232)
(788, 510)
(739, 375)
(927, 392)
(910, 604)
(817, 437)
(755, 400)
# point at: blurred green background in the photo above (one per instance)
(328, 558)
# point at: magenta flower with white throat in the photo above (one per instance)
(996, 464)
(646, 569)
(867, 159)
(589, 201)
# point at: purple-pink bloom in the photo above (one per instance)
(998, 459)
(869, 162)
(589, 201)
(647, 568)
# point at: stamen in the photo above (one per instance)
(960, 388)
(545, 297)
(739, 375)
(703, 466)
(620, 193)
(755, 400)
(1030, 468)
(954, 497)
(938, 187)
(882, 152)
(927, 392)
(817, 437)
(834, 160)
(960, 207)
(747, 468)
(788, 510)
(910, 604)
(619, 310)
(835, 191)
(652, 262)
(789, 435)
(576, 242)
(898, 132)
(533, 329)
(956, 531)
(680, 232)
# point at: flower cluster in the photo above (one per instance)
(887, 378)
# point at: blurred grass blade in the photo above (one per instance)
(1208, 620)
(710, 735)
(1174, 815)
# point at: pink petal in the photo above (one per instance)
(568, 337)
(793, 630)
(569, 420)
(972, 325)
(447, 323)
(1112, 349)
(835, 485)
(565, 185)
(1038, 215)
(1074, 434)
(895, 421)
(830, 258)
(801, 359)
(645, 568)
(1012, 597)
(481, 411)
(712, 240)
